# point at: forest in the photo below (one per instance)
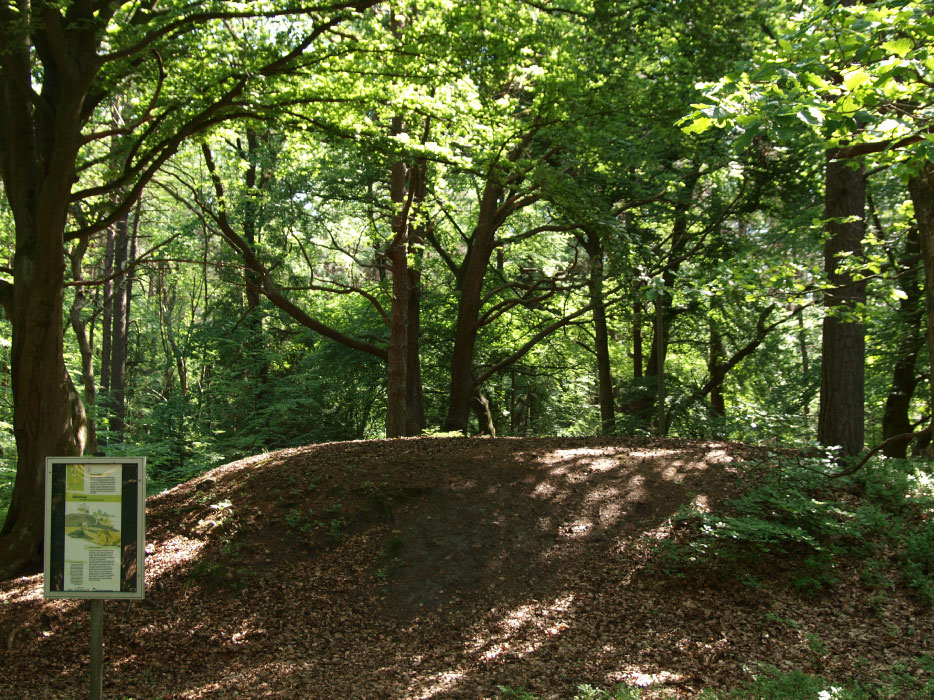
(231, 228)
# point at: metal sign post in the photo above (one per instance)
(95, 537)
(97, 649)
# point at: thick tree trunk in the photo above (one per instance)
(468, 310)
(397, 366)
(921, 188)
(843, 342)
(405, 411)
(46, 408)
(420, 228)
(398, 361)
(38, 147)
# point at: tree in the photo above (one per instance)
(853, 76)
(60, 66)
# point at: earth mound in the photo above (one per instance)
(435, 568)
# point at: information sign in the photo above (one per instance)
(95, 527)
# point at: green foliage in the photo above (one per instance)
(794, 509)
(574, 109)
(836, 71)
(770, 683)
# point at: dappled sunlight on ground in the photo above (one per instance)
(435, 684)
(436, 568)
(20, 590)
(170, 555)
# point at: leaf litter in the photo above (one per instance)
(450, 568)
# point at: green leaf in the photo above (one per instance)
(855, 78)
(698, 126)
(811, 116)
(900, 47)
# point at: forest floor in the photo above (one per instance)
(449, 568)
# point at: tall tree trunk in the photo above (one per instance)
(174, 356)
(398, 361)
(256, 362)
(38, 147)
(108, 311)
(637, 352)
(921, 188)
(118, 337)
(594, 248)
(46, 407)
(664, 313)
(660, 339)
(415, 402)
(843, 349)
(80, 327)
(715, 359)
(420, 227)
(466, 329)
(805, 365)
(896, 419)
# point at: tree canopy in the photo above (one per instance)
(234, 227)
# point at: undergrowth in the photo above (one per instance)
(881, 517)
(768, 683)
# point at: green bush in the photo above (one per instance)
(795, 508)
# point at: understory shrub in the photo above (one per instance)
(795, 508)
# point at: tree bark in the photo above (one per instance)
(843, 338)
(895, 416)
(481, 406)
(660, 339)
(414, 402)
(80, 328)
(805, 365)
(420, 227)
(108, 311)
(470, 286)
(118, 337)
(715, 364)
(594, 248)
(38, 148)
(397, 368)
(921, 188)
(398, 363)
(637, 353)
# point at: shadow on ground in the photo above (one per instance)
(429, 568)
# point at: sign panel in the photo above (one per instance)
(95, 533)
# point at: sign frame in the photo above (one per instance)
(129, 507)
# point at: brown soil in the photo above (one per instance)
(446, 568)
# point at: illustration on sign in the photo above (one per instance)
(92, 542)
